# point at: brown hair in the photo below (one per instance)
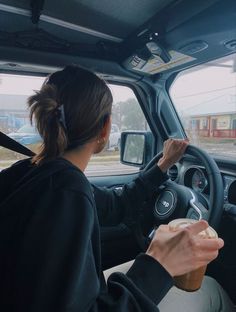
(69, 110)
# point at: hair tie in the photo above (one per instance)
(61, 116)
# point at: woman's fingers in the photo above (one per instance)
(197, 227)
(174, 149)
(184, 250)
(210, 243)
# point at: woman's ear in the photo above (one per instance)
(105, 132)
(103, 136)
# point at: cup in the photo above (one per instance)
(191, 281)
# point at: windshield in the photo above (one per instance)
(205, 99)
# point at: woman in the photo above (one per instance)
(50, 243)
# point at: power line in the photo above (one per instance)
(206, 92)
(205, 102)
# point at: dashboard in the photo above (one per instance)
(194, 175)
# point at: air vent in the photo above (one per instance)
(173, 173)
(232, 193)
(231, 45)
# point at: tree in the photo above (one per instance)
(130, 115)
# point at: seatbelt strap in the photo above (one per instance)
(14, 146)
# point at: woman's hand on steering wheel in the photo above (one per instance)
(172, 152)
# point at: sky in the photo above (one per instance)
(25, 85)
(205, 86)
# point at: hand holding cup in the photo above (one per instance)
(184, 249)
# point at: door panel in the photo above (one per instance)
(118, 243)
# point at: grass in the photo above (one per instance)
(106, 156)
(216, 140)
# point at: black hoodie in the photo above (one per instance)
(50, 257)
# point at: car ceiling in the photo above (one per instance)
(115, 18)
(85, 31)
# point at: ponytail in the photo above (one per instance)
(69, 111)
(44, 110)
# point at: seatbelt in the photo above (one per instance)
(14, 146)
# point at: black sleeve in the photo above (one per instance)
(115, 205)
(142, 288)
(11, 176)
(59, 264)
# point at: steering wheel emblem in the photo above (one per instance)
(165, 204)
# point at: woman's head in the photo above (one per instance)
(70, 110)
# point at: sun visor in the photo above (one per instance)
(146, 62)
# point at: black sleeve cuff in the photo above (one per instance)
(150, 277)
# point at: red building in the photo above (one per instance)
(213, 119)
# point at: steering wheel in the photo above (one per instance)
(178, 201)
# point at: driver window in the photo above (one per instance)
(126, 115)
(14, 121)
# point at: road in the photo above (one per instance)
(226, 149)
(109, 168)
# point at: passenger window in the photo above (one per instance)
(14, 121)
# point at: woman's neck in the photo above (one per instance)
(79, 157)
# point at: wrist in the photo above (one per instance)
(164, 164)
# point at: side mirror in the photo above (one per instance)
(136, 148)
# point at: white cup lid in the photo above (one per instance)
(177, 224)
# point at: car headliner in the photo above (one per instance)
(100, 35)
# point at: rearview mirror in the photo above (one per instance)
(136, 147)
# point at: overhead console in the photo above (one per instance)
(180, 36)
(153, 58)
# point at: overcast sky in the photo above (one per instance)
(205, 85)
(25, 85)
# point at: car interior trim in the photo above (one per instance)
(56, 21)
